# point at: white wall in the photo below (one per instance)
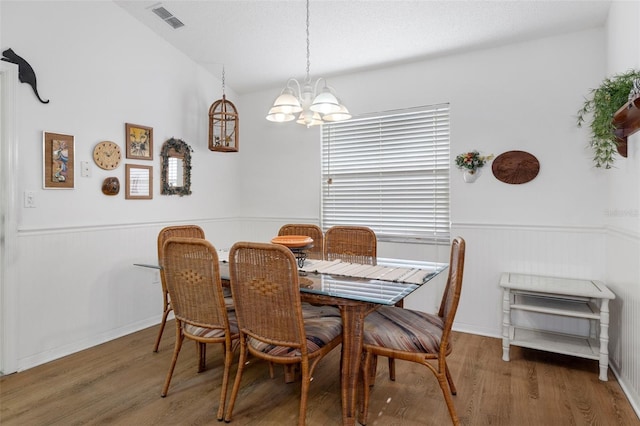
(523, 96)
(100, 68)
(623, 214)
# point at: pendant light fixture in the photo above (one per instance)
(316, 103)
(223, 124)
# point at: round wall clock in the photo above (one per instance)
(515, 167)
(107, 155)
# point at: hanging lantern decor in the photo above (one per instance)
(223, 124)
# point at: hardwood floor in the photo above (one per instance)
(119, 383)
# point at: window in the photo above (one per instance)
(389, 172)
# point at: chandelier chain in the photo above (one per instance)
(222, 80)
(308, 48)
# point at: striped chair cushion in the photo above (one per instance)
(313, 311)
(319, 328)
(211, 333)
(403, 329)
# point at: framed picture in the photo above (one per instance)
(138, 182)
(58, 154)
(139, 141)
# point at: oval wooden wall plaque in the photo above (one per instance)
(515, 167)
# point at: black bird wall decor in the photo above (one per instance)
(26, 74)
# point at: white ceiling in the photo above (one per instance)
(262, 43)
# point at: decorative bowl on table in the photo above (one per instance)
(292, 241)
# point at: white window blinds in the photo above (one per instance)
(389, 172)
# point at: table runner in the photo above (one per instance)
(378, 272)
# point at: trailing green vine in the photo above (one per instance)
(603, 103)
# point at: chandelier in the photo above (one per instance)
(316, 103)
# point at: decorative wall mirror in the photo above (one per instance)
(176, 168)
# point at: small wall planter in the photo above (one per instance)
(471, 164)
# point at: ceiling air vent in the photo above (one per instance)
(168, 17)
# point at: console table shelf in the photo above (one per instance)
(557, 298)
(567, 344)
(556, 306)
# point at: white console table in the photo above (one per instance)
(562, 297)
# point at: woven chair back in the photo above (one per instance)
(313, 231)
(192, 275)
(186, 231)
(266, 291)
(451, 296)
(354, 244)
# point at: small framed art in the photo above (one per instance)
(58, 152)
(138, 182)
(139, 141)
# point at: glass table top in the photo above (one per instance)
(370, 286)
(385, 292)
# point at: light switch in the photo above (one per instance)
(29, 199)
(85, 171)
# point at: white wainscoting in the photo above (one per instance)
(623, 278)
(494, 249)
(77, 287)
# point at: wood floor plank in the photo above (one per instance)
(119, 383)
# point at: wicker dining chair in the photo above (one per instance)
(416, 336)
(313, 231)
(266, 288)
(188, 231)
(192, 275)
(355, 244)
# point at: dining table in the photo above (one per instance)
(356, 290)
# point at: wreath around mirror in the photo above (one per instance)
(176, 148)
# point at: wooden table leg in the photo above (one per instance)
(352, 328)
(352, 313)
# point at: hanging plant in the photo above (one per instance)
(603, 103)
